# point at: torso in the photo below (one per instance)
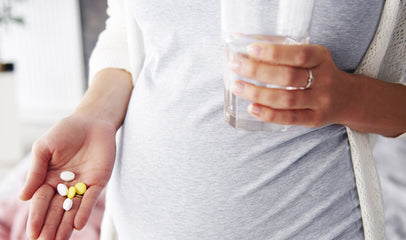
(182, 173)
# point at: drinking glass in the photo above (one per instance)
(248, 21)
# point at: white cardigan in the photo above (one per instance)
(120, 45)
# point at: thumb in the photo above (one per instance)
(41, 156)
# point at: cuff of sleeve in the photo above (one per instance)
(107, 58)
(403, 136)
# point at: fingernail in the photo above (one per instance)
(238, 87)
(255, 109)
(236, 64)
(254, 50)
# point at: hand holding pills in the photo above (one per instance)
(71, 165)
(78, 190)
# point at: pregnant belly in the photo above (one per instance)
(205, 184)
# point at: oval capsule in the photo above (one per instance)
(67, 176)
(71, 192)
(62, 189)
(67, 204)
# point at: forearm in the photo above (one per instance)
(379, 107)
(108, 96)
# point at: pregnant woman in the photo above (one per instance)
(180, 172)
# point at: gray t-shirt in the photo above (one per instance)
(183, 173)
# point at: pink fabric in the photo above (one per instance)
(14, 214)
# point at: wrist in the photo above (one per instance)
(376, 107)
(90, 115)
(107, 98)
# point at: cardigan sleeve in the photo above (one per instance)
(111, 50)
(393, 66)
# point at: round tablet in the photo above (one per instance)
(80, 188)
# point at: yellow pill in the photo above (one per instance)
(71, 192)
(80, 188)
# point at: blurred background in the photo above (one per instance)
(49, 43)
(44, 50)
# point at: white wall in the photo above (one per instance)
(48, 54)
(11, 148)
(49, 77)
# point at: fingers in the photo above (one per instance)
(281, 106)
(38, 170)
(38, 210)
(66, 226)
(303, 56)
(88, 201)
(53, 218)
(303, 117)
(59, 223)
(274, 98)
(48, 219)
(287, 66)
(270, 74)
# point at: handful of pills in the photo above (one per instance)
(79, 189)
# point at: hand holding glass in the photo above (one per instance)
(245, 22)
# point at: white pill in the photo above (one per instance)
(67, 176)
(67, 204)
(62, 189)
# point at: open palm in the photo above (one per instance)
(77, 144)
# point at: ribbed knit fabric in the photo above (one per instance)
(367, 179)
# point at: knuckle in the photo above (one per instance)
(47, 228)
(318, 120)
(254, 93)
(324, 51)
(59, 237)
(288, 100)
(272, 53)
(55, 208)
(326, 102)
(65, 236)
(291, 118)
(39, 146)
(290, 76)
(251, 69)
(328, 81)
(303, 56)
(35, 221)
(266, 74)
(269, 115)
(41, 197)
(36, 146)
